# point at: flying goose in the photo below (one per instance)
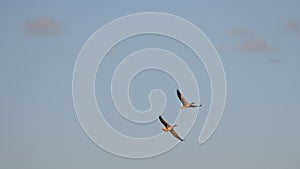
(186, 104)
(169, 128)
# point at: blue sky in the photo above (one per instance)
(258, 43)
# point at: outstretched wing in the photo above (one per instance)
(181, 98)
(173, 132)
(164, 122)
(192, 105)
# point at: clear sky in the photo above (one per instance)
(258, 43)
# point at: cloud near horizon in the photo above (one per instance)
(256, 46)
(42, 26)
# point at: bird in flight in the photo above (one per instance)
(169, 128)
(186, 104)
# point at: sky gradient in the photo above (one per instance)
(258, 43)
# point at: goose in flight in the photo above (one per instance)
(169, 128)
(186, 104)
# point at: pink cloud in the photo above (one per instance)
(291, 27)
(45, 25)
(255, 46)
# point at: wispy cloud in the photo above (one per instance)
(291, 27)
(42, 26)
(256, 46)
(240, 32)
(244, 40)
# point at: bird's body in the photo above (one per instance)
(169, 128)
(190, 105)
(186, 104)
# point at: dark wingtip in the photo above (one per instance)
(161, 119)
(178, 93)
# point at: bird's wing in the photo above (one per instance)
(181, 98)
(192, 105)
(164, 122)
(173, 132)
